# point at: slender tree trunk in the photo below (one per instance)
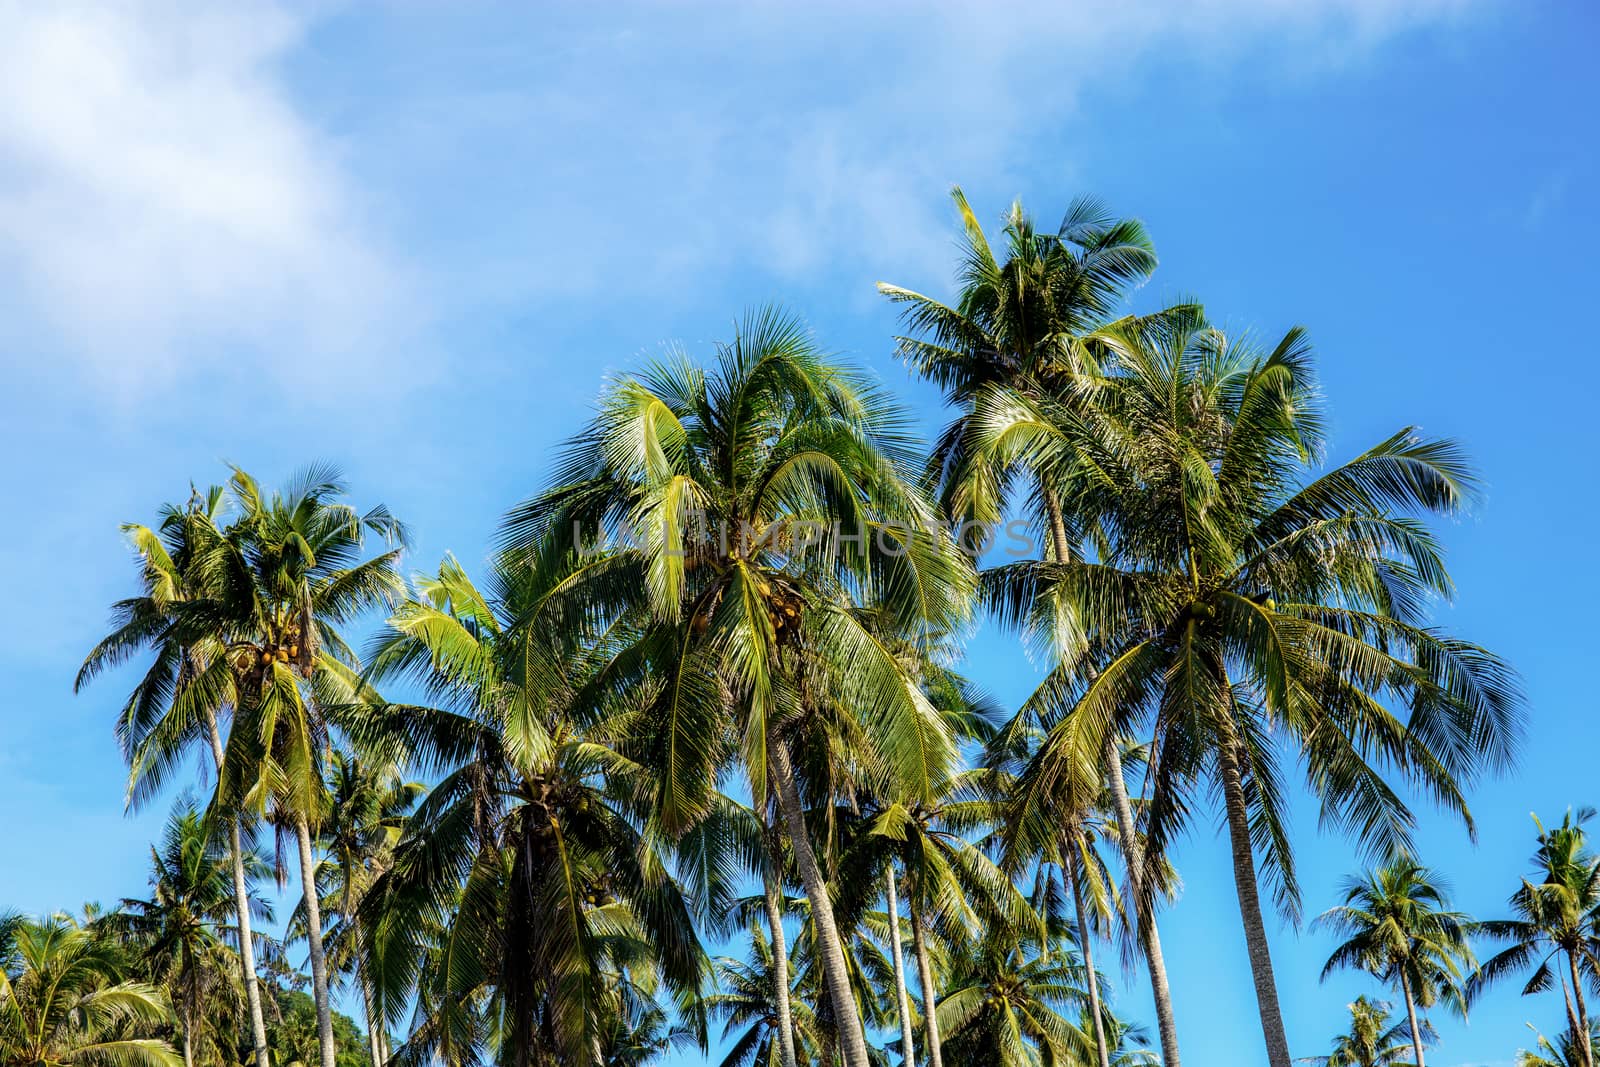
(241, 904)
(1133, 855)
(319, 960)
(1411, 1017)
(908, 1051)
(930, 992)
(852, 1040)
(771, 890)
(373, 1044)
(1086, 947)
(189, 1016)
(1582, 1038)
(1255, 930)
(350, 905)
(1149, 934)
(1572, 1015)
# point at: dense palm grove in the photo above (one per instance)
(707, 696)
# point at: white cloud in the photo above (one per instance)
(665, 144)
(164, 196)
(160, 198)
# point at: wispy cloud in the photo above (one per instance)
(641, 151)
(162, 198)
(165, 195)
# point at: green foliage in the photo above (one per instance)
(743, 570)
(292, 1032)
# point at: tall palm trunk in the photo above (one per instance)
(190, 1010)
(908, 1052)
(1411, 1017)
(1572, 1015)
(1086, 946)
(1255, 930)
(930, 993)
(1581, 1039)
(852, 1040)
(374, 1046)
(1133, 855)
(241, 905)
(1149, 935)
(780, 966)
(349, 906)
(319, 959)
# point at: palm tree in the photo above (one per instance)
(368, 806)
(1063, 848)
(950, 883)
(1251, 612)
(64, 1001)
(745, 999)
(766, 499)
(1024, 326)
(908, 1048)
(1399, 928)
(526, 865)
(1557, 923)
(1371, 1041)
(173, 618)
(247, 623)
(285, 575)
(1005, 1001)
(181, 932)
(1563, 1052)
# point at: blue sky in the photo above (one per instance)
(412, 239)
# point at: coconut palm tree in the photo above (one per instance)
(745, 999)
(1557, 925)
(1063, 849)
(1252, 610)
(287, 574)
(764, 501)
(247, 625)
(1371, 1041)
(1011, 1002)
(1399, 928)
(174, 619)
(1563, 1052)
(527, 865)
(181, 932)
(367, 809)
(1025, 326)
(64, 1001)
(950, 884)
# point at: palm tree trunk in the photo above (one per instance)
(1581, 1039)
(1086, 947)
(1149, 934)
(241, 904)
(1255, 930)
(373, 1044)
(930, 994)
(189, 1016)
(319, 960)
(908, 1051)
(350, 907)
(1572, 1015)
(1411, 1016)
(780, 967)
(852, 1040)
